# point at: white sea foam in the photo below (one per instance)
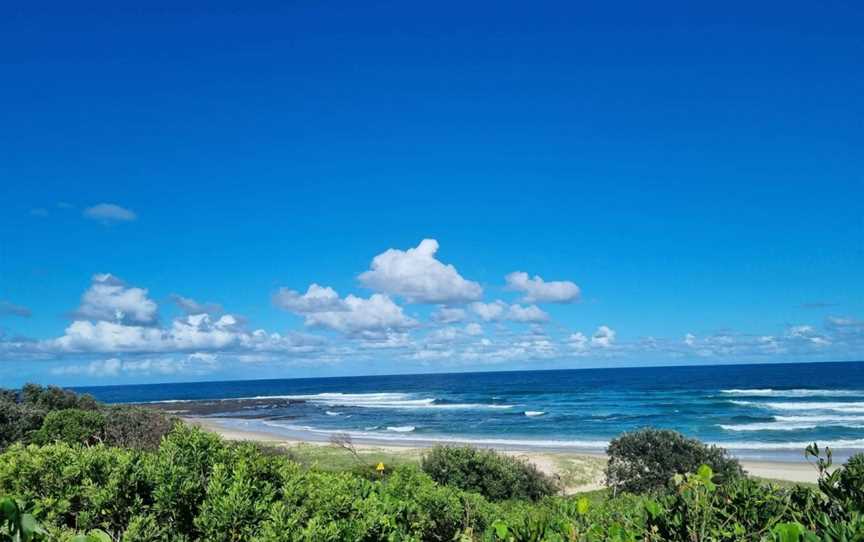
(785, 426)
(769, 392)
(381, 400)
(841, 444)
(534, 413)
(848, 408)
(331, 413)
(401, 428)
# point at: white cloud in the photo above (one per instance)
(448, 315)
(490, 311)
(103, 336)
(536, 290)
(417, 276)
(377, 313)
(577, 341)
(322, 307)
(531, 313)
(316, 299)
(110, 299)
(385, 339)
(498, 311)
(109, 212)
(689, 339)
(604, 337)
(807, 334)
(190, 306)
(474, 329)
(194, 332)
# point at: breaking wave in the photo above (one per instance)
(381, 400)
(769, 392)
(849, 408)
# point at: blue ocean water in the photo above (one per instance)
(757, 411)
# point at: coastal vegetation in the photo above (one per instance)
(647, 460)
(70, 477)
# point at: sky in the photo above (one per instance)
(293, 189)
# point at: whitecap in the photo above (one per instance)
(769, 392)
(401, 428)
(849, 408)
(388, 400)
(534, 413)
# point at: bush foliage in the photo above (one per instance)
(495, 476)
(44, 415)
(645, 461)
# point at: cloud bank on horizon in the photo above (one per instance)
(421, 312)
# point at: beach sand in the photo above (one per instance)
(579, 472)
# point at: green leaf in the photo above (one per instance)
(501, 529)
(29, 525)
(653, 508)
(582, 506)
(97, 535)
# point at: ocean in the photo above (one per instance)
(756, 411)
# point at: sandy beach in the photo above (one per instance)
(560, 464)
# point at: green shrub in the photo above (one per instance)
(239, 494)
(18, 422)
(72, 426)
(851, 482)
(180, 472)
(487, 472)
(76, 487)
(646, 460)
(55, 398)
(135, 427)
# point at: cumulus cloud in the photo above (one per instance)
(578, 341)
(604, 337)
(490, 311)
(190, 306)
(109, 212)
(316, 299)
(11, 309)
(531, 313)
(377, 313)
(536, 290)
(322, 307)
(447, 315)
(103, 336)
(418, 277)
(499, 310)
(193, 332)
(110, 299)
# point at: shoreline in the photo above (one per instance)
(553, 463)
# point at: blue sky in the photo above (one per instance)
(696, 171)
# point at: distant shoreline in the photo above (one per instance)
(546, 460)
